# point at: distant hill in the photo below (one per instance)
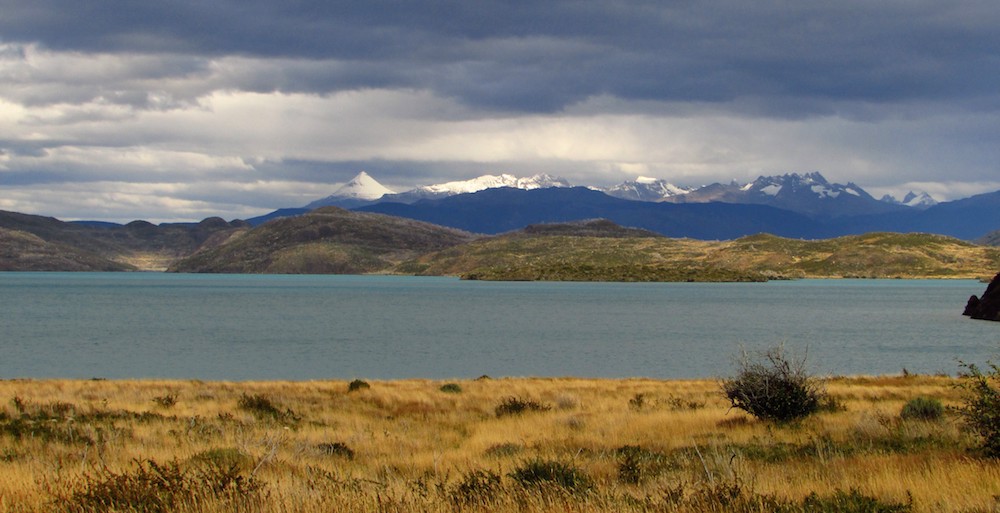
(968, 219)
(137, 245)
(990, 239)
(23, 251)
(500, 210)
(328, 240)
(558, 254)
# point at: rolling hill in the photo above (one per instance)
(138, 245)
(560, 254)
(329, 240)
(23, 251)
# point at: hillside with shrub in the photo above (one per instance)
(559, 253)
(328, 240)
(57, 245)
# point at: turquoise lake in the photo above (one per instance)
(264, 327)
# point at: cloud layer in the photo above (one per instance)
(177, 110)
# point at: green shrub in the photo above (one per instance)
(772, 386)
(516, 406)
(358, 384)
(922, 408)
(451, 388)
(548, 473)
(981, 408)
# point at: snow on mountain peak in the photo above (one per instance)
(912, 199)
(363, 187)
(493, 181)
(645, 188)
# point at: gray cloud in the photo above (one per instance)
(541, 57)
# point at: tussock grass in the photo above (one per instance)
(405, 446)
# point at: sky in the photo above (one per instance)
(177, 110)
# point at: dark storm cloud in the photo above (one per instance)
(787, 58)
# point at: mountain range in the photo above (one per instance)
(805, 205)
(793, 205)
(383, 229)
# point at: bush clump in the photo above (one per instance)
(773, 386)
(636, 465)
(339, 449)
(503, 450)
(479, 487)
(157, 488)
(981, 409)
(852, 502)
(358, 384)
(549, 473)
(166, 401)
(258, 405)
(516, 406)
(451, 388)
(922, 408)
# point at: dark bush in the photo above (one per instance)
(336, 449)
(547, 473)
(981, 409)
(258, 405)
(166, 401)
(358, 384)
(771, 386)
(504, 449)
(638, 401)
(922, 408)
(636, 464)
(517, 406)
(451, 388)
(852, 502)
(222, 457)
(479, 487)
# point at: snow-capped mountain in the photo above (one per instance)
(492, 181)
(919, 201)
(477, 184)
(362, 189)
(808, 193)
(645, 189)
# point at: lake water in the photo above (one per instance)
(250, 327)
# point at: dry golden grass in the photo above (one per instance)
(413, 444)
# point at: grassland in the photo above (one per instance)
(525, 256)
(415, 445)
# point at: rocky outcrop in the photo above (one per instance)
(986, 307)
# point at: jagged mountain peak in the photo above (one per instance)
(809, 184)
(912, 199)
(645, 188)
